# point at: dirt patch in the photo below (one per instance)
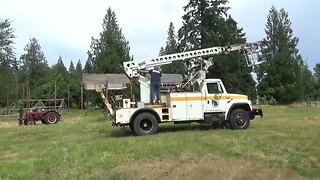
(192, 166)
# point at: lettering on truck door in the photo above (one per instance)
(215, 98)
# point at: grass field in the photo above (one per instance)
(285, 144)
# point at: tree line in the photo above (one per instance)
(284, 78)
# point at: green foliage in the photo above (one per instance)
(202, 23)
(107, 53)
(34, 67)
(111, 49)
(74, 85)
(171, 47)
(282, 77)
(7, 54)
(8, 62)
(57, 77)
(71, 68)
(317, 81)
(207, 24)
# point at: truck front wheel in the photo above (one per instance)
(239, 119)
(145, 124)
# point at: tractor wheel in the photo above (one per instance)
(51, 117)
(28, 122)
(145, 124)
(239, 119)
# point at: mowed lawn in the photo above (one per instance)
(285, 144)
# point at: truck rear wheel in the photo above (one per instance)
(239, 119)
(145, 124)
(51, 117)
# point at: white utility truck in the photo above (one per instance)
(208, 104)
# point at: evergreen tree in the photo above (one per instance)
(176, 67)
(111, 49)
(7, 55)
(207, 24)
(58, 75)
(8, 62)
(75, 82)
(88, 67)
(79, 69)
(317, 81)
(279, 78)
(34, 66)
(71, 68)
(308, 84)
(317, 73)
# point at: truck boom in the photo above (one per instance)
(252, 51)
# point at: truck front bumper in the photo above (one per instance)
(255, 112)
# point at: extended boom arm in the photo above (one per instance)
(133, 68)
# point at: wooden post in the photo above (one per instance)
(68, 98)
(55, 95)
(81, 89)
(17, 88)
(27, 95)
(23, 95)
(8, 88)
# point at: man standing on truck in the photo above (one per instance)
(155, 84)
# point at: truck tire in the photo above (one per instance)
(239, 119)
(145, 124)
(51, 117)
(131, 126)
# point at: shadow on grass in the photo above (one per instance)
(163, 129)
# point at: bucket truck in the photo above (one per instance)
(209, 104)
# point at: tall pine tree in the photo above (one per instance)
(280, 77)
(8, 62)
(7, 54)
(171, 47)
(207, 24)
(72, 68)
(317, 81)
(34, 67)
(111, 49)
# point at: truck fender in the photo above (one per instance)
(142, 110)
(244, 106)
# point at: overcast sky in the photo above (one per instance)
(65, 27)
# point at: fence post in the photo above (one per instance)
(81, 89)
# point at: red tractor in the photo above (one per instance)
(46, 117)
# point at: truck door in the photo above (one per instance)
(215, 98)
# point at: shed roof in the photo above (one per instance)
(120, 81)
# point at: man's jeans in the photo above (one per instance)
(155, 92)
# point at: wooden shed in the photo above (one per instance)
(121, 81)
